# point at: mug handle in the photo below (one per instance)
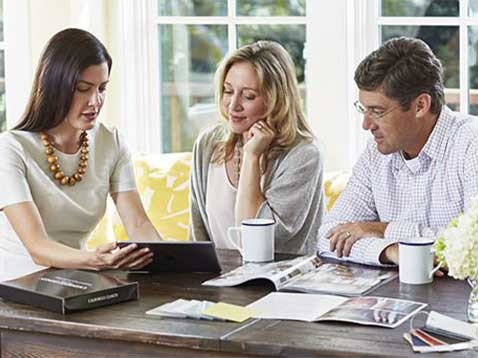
(435, 269)
(230, 236)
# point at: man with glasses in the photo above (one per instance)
(418, 172)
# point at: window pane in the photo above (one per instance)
(188, 56)
(444, 42)
(3, 119)
(192, 7)
(473, 53)
(271, 7)
(473, 8)
(292, 37)
(420, 7)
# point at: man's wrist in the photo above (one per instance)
(389, 255)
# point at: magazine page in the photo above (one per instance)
(340, 279)
(279, 273)
(295, 306)
(374, 311)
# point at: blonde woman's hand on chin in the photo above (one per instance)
(258, 138)
(107, 256)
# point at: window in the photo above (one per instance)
(194, 35)
(3, 119)
(450, 27)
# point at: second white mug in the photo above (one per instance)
(416, 261)
(256, 243)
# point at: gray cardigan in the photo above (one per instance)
(292, 187)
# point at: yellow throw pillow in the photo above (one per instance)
(163, 185)
(334, 184)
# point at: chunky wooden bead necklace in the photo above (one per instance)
(54, 165)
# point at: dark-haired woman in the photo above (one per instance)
(58, 166)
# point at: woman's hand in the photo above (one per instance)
(107, 256)
(258, 138)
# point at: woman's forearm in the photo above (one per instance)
(50, 253)
(249, 195)
(142, 230)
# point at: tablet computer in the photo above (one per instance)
(177, 256)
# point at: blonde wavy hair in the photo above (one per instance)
(277, 82)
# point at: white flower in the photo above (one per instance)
(457, 245)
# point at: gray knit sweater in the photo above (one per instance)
(292, 187)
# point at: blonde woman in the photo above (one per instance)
(262, 161)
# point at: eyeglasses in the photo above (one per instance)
(373, 113)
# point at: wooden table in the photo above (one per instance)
(123, 330)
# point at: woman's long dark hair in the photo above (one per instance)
(66, 55)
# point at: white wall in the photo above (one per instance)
(328, 81)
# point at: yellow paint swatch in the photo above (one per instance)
(229, 312)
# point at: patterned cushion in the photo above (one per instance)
(334, 184)
(163, 184)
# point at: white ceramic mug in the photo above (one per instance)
(256, 243)
(416, 261)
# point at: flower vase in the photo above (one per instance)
(473, 302)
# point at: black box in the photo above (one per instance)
(65, 291)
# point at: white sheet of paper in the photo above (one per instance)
(295, 306)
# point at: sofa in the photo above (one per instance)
(163, 184)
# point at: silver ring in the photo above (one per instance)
(259, 125)
(347, 234)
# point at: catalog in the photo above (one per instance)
(309, 274)
(65, 291)
(373, 311)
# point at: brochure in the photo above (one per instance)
(221, 311)
(309, 274)
(373, 311)
(442, 334)
(423, 341)
(182, 308)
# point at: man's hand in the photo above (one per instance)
(343, 236)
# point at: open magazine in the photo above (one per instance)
(374, 311)
(309, 274)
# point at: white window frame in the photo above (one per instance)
(339, 34)
(326, 76)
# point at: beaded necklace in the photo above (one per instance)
(237, 161)
(54, 164)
